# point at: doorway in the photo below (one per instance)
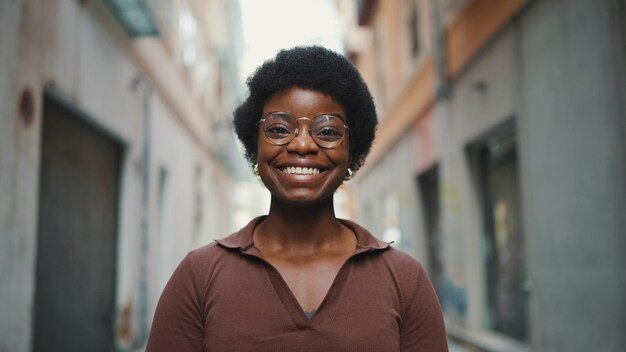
(428, 186)
(77, 233)
(494, 161)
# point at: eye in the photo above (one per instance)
(328, 128)
(277, 130)
(328, 133)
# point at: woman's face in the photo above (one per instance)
(325, 167)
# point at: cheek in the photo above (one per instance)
(266, 151)
(346, 151)
(262, 148)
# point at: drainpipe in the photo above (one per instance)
(146, 89)
(439, 52)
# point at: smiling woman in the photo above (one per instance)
(277, 162)
(300, 279)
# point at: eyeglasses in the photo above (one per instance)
(280, 128)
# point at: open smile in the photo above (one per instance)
(297, 170)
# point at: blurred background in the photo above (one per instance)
(499, 161)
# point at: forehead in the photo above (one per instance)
(303, 101)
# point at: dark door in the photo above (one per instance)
(428, 185)
(495, 163)
(77, 234)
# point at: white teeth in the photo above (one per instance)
(301, 170)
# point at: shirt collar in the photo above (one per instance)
(242, 239)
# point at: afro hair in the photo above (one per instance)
(315, 68)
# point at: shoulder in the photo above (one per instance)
(208, 250)
(211, 256)
(407, 273)
(392, 256)
(205, 255)
(197, 263)
(223, 255)
(396, 260)
(403, 261)
(407, 270)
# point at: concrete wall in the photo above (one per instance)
(573, 174)
(557, 70)
(19, 158)
(389, 184)
(80, 54)
(484, 96)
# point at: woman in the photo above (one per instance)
(299, 279)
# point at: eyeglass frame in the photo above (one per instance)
(297, 129)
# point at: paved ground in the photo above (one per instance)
(453, 347)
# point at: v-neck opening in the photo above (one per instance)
(291, 303)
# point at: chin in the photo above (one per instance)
(305, 199)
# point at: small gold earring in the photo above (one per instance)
(349, 174)
(255, 169)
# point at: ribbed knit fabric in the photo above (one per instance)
(224, 297)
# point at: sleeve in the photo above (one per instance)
(422, 327)
(178, 319)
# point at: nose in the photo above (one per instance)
(303, 143)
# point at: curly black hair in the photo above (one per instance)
(315, 68)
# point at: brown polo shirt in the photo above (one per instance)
(226, 297)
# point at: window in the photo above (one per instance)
(495, 165)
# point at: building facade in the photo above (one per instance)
(500, 162)
(116, 158)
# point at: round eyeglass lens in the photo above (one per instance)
(279, 128)
(327, 130)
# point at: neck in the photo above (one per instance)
(300, 228)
